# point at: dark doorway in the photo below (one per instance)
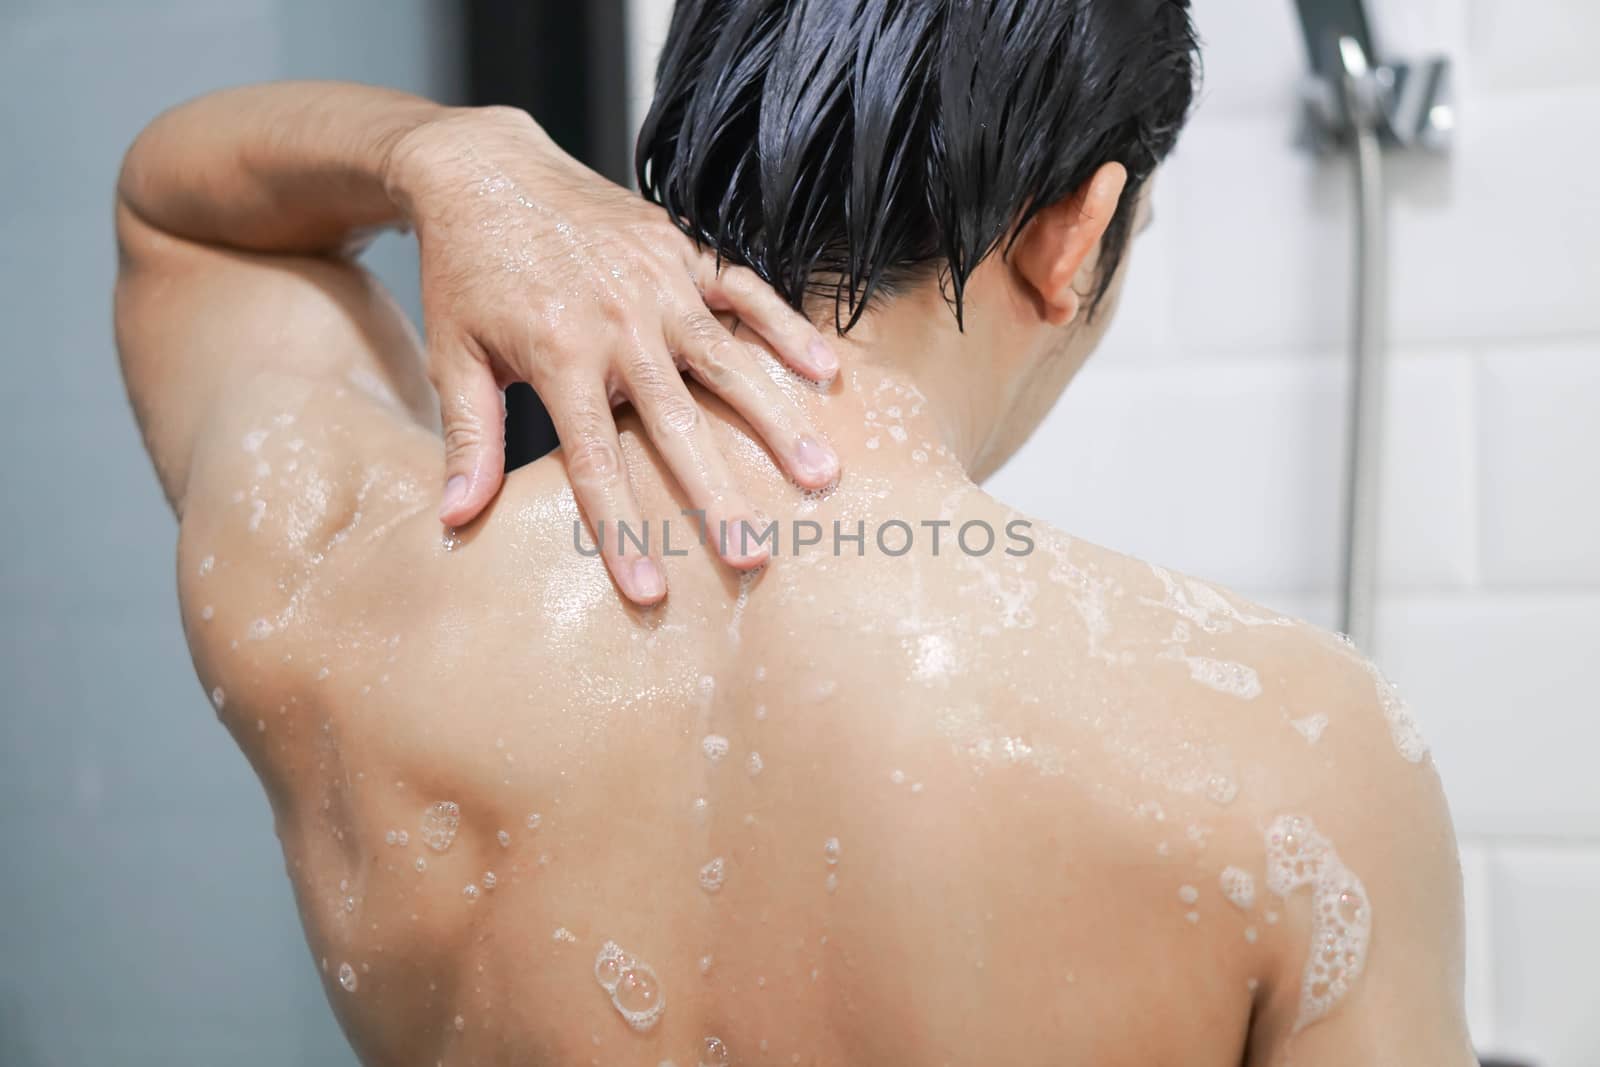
(565, 63)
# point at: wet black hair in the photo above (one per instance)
(845, 148)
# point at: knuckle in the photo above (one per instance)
(613, 310)
(717, 365)
(463, 436)
(739, 281)
(701, 330)
(676, 413)
(592, 459)
(652, 379)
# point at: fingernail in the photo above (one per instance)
(647, 581)
(744, 539)
(455, 491)
(823, 357)
(816, 461)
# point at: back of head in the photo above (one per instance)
(849, 148)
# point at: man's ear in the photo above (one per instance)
(1062, 238)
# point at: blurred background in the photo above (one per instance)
(144, 914)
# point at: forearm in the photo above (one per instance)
(297, 167)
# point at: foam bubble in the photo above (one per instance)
(632, 985)
(714, 1053)
(1311, 727)
(504, 837)
(712, 875)
(715, 746)
(1239, 887)
(439, 823)
(1298, 857)
(1188, 894)
(1235, 679)
(1408, 740)
(561, 933)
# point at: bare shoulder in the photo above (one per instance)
(1316, 851)
(303, 496)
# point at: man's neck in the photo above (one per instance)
(908, 370)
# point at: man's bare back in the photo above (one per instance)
(949, 808)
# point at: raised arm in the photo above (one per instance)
(534, 269)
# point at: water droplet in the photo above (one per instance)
(450, 539)
(260, 629)
(404, 838)
(831, 883)
(422, 864)
(390, 838)
(1188, 894)
(898, 777)
(218, 698)
(753, 764)
(439, 823)
(1221, 789)
(461, 1024)
(504, 838)
(705, 964)
(712, 874)
(206, 565)
(207, 612)
(470, 891)
(715, 746)
(830, 850)
(489, 880)
(347, 978)
(632, 985)
(713, 1053)
(533, 820)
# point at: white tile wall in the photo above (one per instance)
(1541, 466)
(1545, 947)
(1209, 435)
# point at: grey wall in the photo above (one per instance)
(144, 913)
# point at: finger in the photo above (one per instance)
(791, 335)
(680, 433)
(473, 410)
(733, 372)
(592, 453)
